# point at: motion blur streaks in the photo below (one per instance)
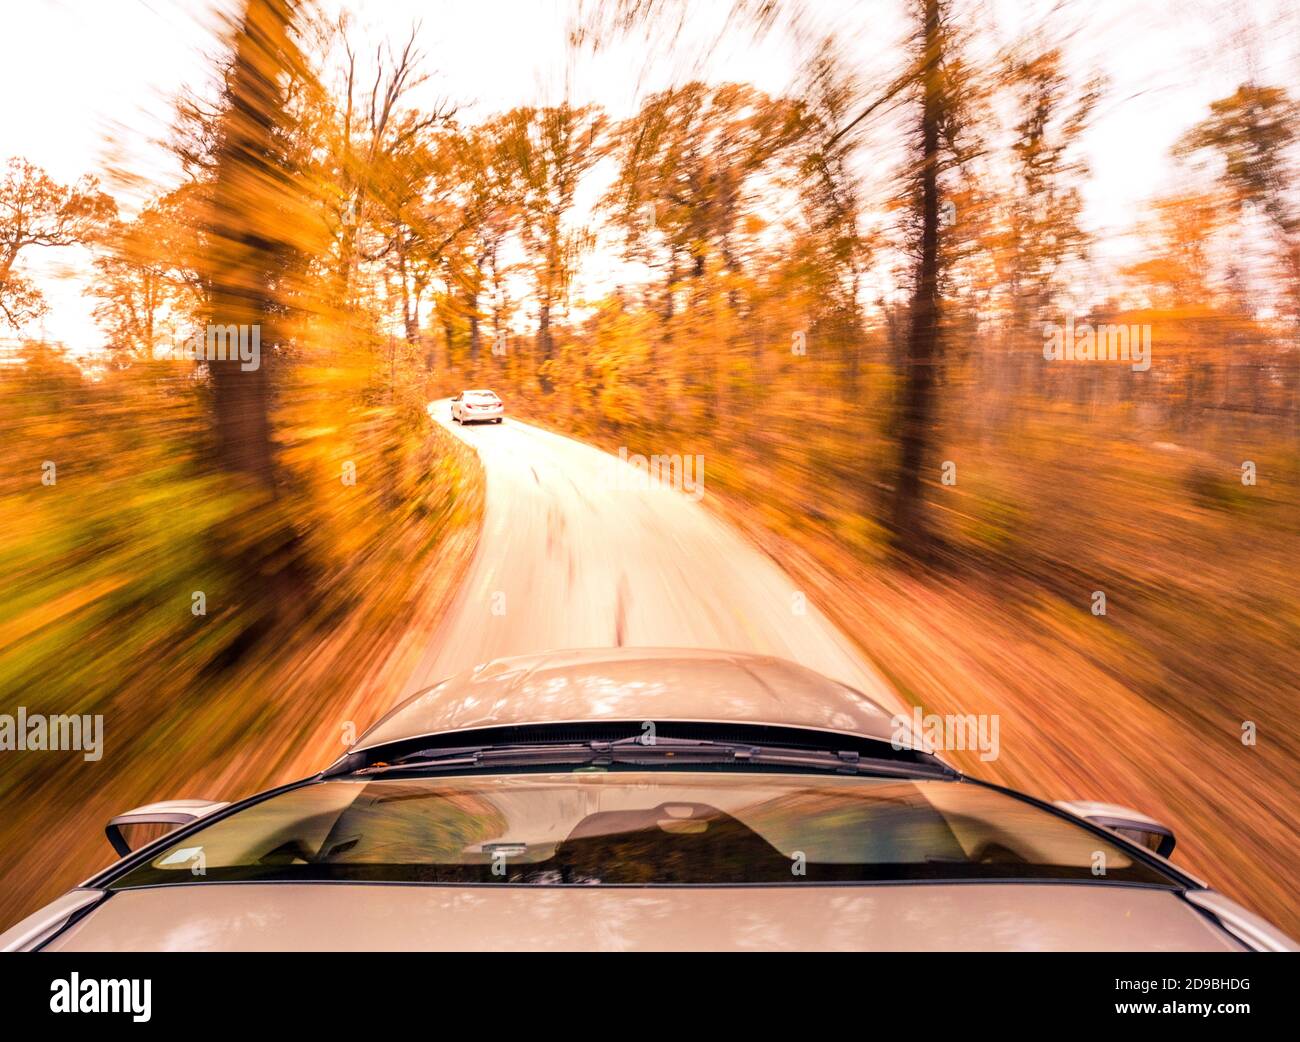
(985, 328)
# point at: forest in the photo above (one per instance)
(851, 300)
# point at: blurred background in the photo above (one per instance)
(976, 310)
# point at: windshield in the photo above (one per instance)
(480, 396)
(640, 828)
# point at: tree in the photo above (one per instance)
(1044, 203)
(462, 220)
(490, 215)
(400, 183)
(378, 137)
(686, 162)
(147, 276)
(259, 222)
(923, 345)
(1176, 270)
(835, 248)
(37, 211)
(550, 149)
(1252, 132)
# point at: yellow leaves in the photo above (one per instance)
(56, 610)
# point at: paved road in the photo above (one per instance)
(575, 553)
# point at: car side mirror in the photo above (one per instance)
(1131, 824)
(169, 812)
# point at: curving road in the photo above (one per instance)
(575, 552)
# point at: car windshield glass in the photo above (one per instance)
(641, 828)
(480, 396)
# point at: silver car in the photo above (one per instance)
(642, 799)
(477, 407)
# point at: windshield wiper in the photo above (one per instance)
(636, 751)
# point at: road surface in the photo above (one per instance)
(576, 552)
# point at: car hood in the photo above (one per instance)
(636, 684)
(382, 917)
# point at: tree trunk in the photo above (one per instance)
(246, 255)
(410, 319)
(908, 522)
(544, 344)
(250, 252)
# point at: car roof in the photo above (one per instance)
(633, 684)
(480, 390)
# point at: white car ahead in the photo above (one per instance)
(477, 407)
(636, 798)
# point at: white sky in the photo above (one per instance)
(88, 83)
